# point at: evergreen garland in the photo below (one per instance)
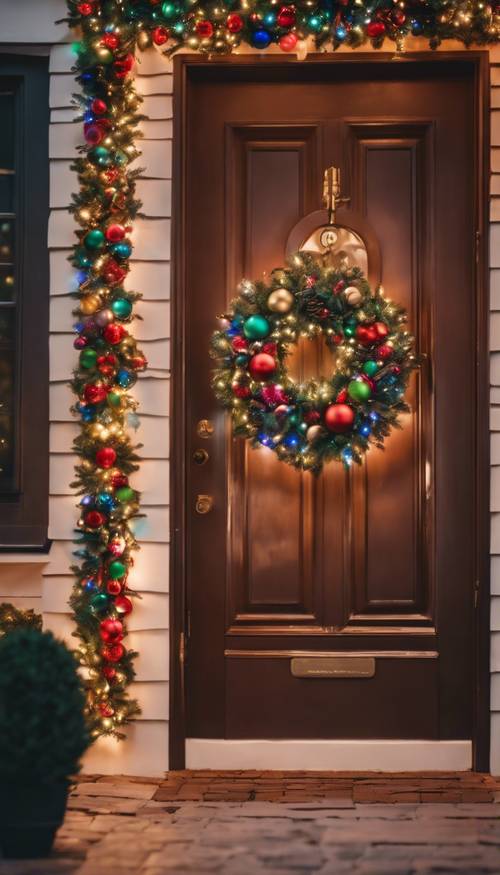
(220, 26)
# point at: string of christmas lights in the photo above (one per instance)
(220, 26)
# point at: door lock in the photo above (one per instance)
(200, 456)
(204, 504)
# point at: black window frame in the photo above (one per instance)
(24, 508)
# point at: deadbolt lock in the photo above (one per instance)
(205, 428)
(200, 456)
(204, 504)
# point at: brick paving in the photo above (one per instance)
(323, 824)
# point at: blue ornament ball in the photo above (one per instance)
(105, 501)
(125, 378)
(261, 39)
(122, 250)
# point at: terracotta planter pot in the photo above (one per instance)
(30, 815)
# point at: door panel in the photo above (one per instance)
(379, 560)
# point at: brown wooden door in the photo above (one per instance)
(379, 561)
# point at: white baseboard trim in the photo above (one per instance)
(337, 755)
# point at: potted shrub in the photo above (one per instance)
(42, 737)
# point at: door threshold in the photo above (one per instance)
(391, 755)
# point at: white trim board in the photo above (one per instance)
(337, 755)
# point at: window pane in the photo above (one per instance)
(6, 241)
(7, 286)
(6, 193)
(7, 456)
(7, 326)
(7, 138)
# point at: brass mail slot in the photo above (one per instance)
(333, 666)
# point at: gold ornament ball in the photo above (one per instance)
(280, 301)
(353, 296)
(313, 433)
(90, 304)
(143, 39)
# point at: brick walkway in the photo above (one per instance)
(133, 826)
(249, 786)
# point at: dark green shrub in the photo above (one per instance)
(42, 727)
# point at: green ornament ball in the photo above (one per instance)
(256, 328)
(125, 493)
(349, 330)
(99, 602)
(314, 23)
(168, 9)
(370, 368)
(113, 399)
(100, 155)
(358, 390)
(121, 308)
(88, 358)
(94, 239)
(117, 570)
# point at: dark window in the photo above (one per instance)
(24, 301)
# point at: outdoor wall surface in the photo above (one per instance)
(48, 582)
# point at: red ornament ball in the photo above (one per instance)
(123, 67)
(109, 672)
(118, 480)
(366, 334)
(384, 352)
(241, 391)
(234, 23)
(94, 394)
(262, 366)
(160, 36)
(288, 42)
(114, 333)
(111, 41)
(111, 631)
(85, 8)
(339, 418)
(382, 330)
(398, 17)
(117, 546)
(93, 519)
(94, 134)
(105, 457)
(123, 605)
(239, 344)
(205, 29)
(106, 710)
(113, 653)
(113, 587)
(98, 106)
(114, 233)
(375, 29)
(286, 18)
(312, 417)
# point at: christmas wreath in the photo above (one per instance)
(336, 417)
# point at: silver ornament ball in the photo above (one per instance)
(353, 296)
(104, 317)
(313, 433)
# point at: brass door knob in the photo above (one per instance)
(200, 456)
(204, 504)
